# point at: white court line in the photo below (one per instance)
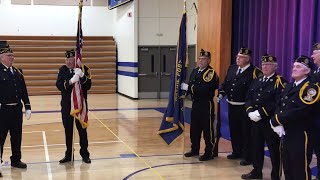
(29, 132)
(46, 152)
(98, 142)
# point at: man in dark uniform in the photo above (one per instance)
(202, 85)
(13, 91)
(260, 106)
(293, 119)
(235, 86)
(315, 78)
(67, 77)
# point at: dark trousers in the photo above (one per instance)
(297, 152)
(261, 132)
(11, 121)
(316, 146)
(202, 117)
(68, 129)
(239, 125)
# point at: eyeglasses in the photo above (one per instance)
(9, 55)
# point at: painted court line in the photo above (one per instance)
(50, 145)
(46, 152)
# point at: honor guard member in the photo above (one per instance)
(315, 78)
(67, 77)
(293, 120)
(235, 87)
(260, 107)
(202, 85)
(13, 93)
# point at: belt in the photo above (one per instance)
(9, 104)
(236, 103)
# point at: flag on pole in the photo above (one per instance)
(172, 125)
(78, 103)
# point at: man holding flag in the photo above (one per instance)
(69, 76)
(202, 85)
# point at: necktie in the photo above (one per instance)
(11, 70)
(294, 85)
(239, 72)
(265, 79)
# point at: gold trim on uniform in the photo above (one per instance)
(254, 74)
(280, 162)
(208, 75)
(17, 69)
(250, 107)
(265, 111)
(278, 120)
(211, 129)
(279, 82)
(311, 92)
(64, 84)
(305, 154)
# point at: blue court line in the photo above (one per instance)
(162, 165)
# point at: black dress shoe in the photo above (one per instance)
(233, 156)
(252, 175)
(1, 174)
(206, 157)
(19, 164)
(190, 154)
(245, 163)
(65, 159)
(86, 160)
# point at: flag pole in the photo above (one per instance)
(72, 149)
(184, 107)
(74, 118)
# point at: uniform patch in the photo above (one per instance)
(208, 75)
(310, 94)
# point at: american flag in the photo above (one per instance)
(78, 103)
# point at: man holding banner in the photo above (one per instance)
(67, 77)
(172, 125)
(202, 85)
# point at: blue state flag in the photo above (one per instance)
(172, 125)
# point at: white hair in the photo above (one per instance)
(316, 51)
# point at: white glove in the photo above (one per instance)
(28, 114)
(74, 79)
(78, 72)
(271, 124)
(219, 97)
(279, 130)
(184, 86)
(251, 115)
(257, 116)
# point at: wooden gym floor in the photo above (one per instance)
(122, 141)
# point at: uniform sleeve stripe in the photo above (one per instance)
(264, 110)
(278, 120)
(250, 107)
(64, 84)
